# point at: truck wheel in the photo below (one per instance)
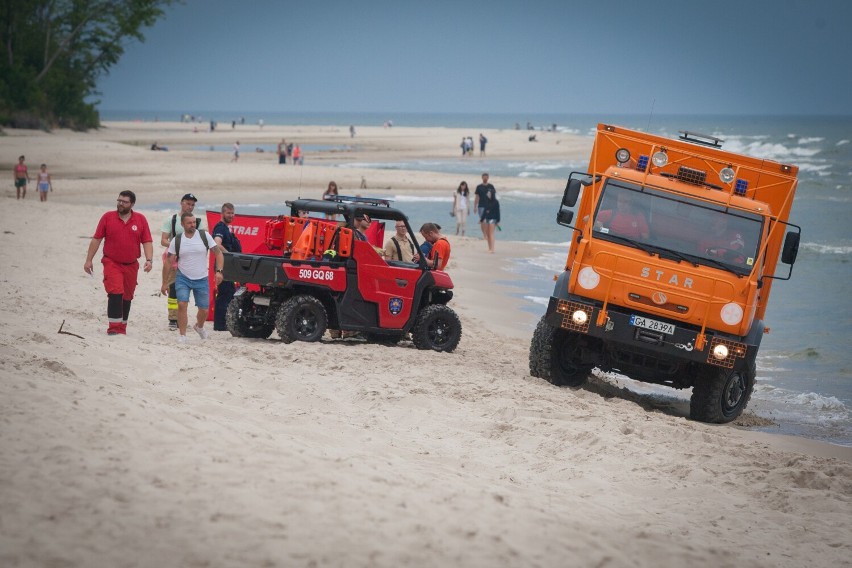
(301, 317)
(539, 348)
(556, 356)
(436, 327)
(720, 395)
(235, 319)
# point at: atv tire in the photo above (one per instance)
(555, 356)
(437, 327)
(301, 318)
(720, 395)
(236, 323)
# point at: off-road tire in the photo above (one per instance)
(720, 395)
(237, 325)
(437, 327)
(301, 318)
(555, 356)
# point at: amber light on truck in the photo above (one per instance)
(575, 316)
(723, 352)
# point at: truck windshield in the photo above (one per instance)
(701, 232)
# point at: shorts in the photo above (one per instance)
(481, 211)
(21, 182)
(44, 187)
(490, 221)
(120, 278)
(200, 288)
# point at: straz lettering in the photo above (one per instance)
(315, 274)
(240, 230)
(660, 276)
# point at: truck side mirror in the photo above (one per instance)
(572, 192)
(791, 248)
(564, 217)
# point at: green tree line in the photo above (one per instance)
(53, 52)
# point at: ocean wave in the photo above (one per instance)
(842, 142)
(827, 249)
(538, 300)
(421, 198)
(532, 166)
(770, 150)
(822, 170)
(529, 175)
(810, 140)
(529, 194)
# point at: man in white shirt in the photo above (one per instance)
(191, 248)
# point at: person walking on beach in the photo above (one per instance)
(22, 177)
(228, 241)
(45, 184)
(297, 155)
(282, 152)
(491, 219)
(483, 194)
(236, 151)
(172, 227)
(439, 253)
(330, 194)
(399, 247)
(482, 142)
(123, 232)
(461, 205)
(189, 250)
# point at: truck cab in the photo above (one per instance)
(675, 245)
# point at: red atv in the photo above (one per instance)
(318, 276)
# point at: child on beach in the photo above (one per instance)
(44, 183)
(460, 206)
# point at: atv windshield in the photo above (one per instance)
(676, 226)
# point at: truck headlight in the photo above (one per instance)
(731, 313)
(727, 174)
(720, 352)
(622, 155)
(580, 317)
(660, 158)
(588, 278)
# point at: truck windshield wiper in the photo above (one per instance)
(636, 244)
(679, 256)
(722, 265)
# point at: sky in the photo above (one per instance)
(563, 56)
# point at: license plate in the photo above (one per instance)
(654, 325)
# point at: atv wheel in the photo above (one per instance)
(436, 327)
(556, 356)
(720, 395)
(239, 311)
(302, 318)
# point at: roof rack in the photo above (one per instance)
(698, 138)
(365, 200)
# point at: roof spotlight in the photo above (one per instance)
(727, 174)
(660, 158)
(622, 155)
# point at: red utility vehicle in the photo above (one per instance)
(318, 276)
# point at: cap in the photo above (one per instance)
(190, 197)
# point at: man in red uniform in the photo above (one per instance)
(124, 230)
(623, 221)
(439, 255)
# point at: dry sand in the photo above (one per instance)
(134, 451)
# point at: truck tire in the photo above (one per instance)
(437, 327)
(301, 318)
(236, 323)
(555, 356)
(720, 395)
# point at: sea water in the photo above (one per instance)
(804, 382)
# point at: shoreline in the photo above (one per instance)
(120, 448)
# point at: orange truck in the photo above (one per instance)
(675, 244)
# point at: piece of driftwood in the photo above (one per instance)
(68, 332)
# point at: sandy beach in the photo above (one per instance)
(137, 451)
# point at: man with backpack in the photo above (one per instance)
(189, 250)
(400, 247)
(171, 228)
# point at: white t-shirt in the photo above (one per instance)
(192, 262)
